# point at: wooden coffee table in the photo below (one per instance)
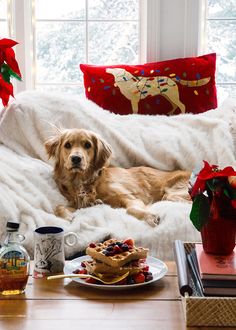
(64, 304)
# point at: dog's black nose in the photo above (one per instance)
(76, 160)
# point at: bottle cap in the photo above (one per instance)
(13, 225)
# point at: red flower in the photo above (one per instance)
(6, 90)
(209, 172)
(8, 68)
(7, 55)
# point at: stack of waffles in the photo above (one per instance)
(115, 257)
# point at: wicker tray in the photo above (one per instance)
(208, 311)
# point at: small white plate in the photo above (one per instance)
(156, 266)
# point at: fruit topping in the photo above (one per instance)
(92, 245)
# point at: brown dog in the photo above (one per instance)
(84, 178)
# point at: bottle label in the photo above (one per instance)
(13, 263)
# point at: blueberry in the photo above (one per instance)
(125, 247)
(148, 278)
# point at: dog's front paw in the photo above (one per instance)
(98, 202)
(62, 212)
(152, 219)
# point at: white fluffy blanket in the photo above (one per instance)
(29, 194)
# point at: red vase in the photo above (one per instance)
(218, 236)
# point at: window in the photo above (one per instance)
(71, 32)
(3, 19)
(58, 35)
(221, 35)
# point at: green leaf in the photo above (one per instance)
(14, 75)
(5, 72)
(226, 192)
(200, 211)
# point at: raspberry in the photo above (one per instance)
(92, 245)
(76, 271)
(117, 249)
(83, 271)
(91, 280)
(139, 278)
(145, 268)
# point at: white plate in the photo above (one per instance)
(156, 266)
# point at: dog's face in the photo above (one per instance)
(78, 150)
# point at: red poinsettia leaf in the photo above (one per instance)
(11, 61)
(6, 43)
(5, 86)
(233, 203)
(4, 96)
(198, 187)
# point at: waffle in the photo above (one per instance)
(95, 267)
(119, 259)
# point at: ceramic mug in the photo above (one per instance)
(49, 246)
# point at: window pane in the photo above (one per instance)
(46, 9)
(222, 40)
(3, 10)
(74, 90)
(60, 48)
(113, 9)
(3, 30)
(113, 42)
(224, 91)
(221, 8)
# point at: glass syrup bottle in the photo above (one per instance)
(14, 262)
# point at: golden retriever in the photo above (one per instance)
(82, 174)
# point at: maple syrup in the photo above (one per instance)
(14, 262)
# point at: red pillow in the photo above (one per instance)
(169, 87)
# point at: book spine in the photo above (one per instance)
(182, 268)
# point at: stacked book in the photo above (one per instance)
(212, 275)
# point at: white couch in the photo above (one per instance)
(29, 193)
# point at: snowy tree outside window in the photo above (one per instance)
(87, 31)
(221, 38)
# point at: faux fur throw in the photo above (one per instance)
(29, 193)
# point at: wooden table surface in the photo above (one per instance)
(64, 303)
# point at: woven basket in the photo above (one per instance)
(209, 311)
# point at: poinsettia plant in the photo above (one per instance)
(213, 192)
(8, 69)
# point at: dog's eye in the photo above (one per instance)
(87, 145)
(67, 145)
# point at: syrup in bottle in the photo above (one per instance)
(14, 262)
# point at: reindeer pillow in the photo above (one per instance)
(169, 87)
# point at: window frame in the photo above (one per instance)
(154, 44)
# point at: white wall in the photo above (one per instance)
(179, 29)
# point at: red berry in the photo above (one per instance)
(82, 264)
(91, 280)
(129, 242)
(83, 271)
(76, 271)
(145, 268)
(117, 249)
(139, 278)
(92, 245)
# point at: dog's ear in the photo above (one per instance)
(51, 145)
(102, 153)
